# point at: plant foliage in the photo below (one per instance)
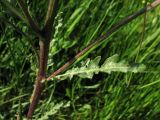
(91, 67)
(118, 80)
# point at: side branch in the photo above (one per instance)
(31, 22)
(102, 38)
(51, 13)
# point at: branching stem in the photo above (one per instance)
(102, 38)
(45, 36)
(44, 49)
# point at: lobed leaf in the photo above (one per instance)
(111, 64)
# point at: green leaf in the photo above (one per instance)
(13, 9)
(150, 84)
(91, 67)
(113, 64)
(53, 109)
(76, 16)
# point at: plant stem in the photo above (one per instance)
(44, 49)
(51, 13)
(102, 38)
(31, 22)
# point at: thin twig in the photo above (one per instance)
(31, 22)
(102, 38)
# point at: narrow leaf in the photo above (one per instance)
(13, 10)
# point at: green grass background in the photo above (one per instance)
(125, 96)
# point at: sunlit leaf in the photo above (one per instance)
(111, 64)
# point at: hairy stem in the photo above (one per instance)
(102, 38)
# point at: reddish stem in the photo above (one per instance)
(103, 37)
(45, 37)
(44, 48)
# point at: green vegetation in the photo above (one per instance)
(120, 79)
